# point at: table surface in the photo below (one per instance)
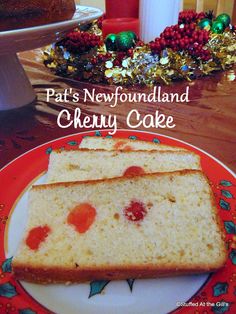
(208, 121)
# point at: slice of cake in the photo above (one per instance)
(138, 227)
(84, 164)
(97, 142)
(16, 14)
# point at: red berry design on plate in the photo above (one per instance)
(135, 211)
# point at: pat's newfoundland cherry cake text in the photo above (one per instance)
(134, 118)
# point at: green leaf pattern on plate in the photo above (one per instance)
(7, 290)
(224, 205)
(48, 150)
(155, 140)
(6, 265)
(72, 143)
(232, 256)
(98, 133)
(225, 183)
(221, 307)
(226, 194)
(220, 288)
(27, 311)
(96, 287)
(230, 227)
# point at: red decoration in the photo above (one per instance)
(183, 37)
(189, 16)
(122, 8)
(78, 42)
(117, 25)
(100, 20)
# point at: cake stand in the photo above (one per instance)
(15, 88)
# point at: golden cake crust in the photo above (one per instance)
(64, 275)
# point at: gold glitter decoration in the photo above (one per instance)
(109, 73)
(143, 68)
(164, 61)
(94, 29)
(109, 64)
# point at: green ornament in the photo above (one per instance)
(110, 42)
(124, 41)
(132, 35)
(217, 27)
(205, 24)
(224, 18)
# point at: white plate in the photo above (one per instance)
(154, 296)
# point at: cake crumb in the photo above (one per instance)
(116, 216)
(149, 205)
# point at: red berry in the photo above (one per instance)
(130, 53)
(77, 42)
(94, 61)
(116, 62)
(100, 57)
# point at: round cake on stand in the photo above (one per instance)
(15, 89)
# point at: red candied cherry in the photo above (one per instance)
(133, 171)
(82, 217)
(135, 211)
(36, 236)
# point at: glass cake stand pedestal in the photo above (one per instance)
(15, 88)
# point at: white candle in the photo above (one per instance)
(155, 16)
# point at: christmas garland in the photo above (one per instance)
(197, 46)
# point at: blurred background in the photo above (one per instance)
(219, 6)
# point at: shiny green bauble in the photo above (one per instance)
(217, 27)
(110, 42)
(124, 41)
(205, 24)
(224, 18)
(132, 35)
